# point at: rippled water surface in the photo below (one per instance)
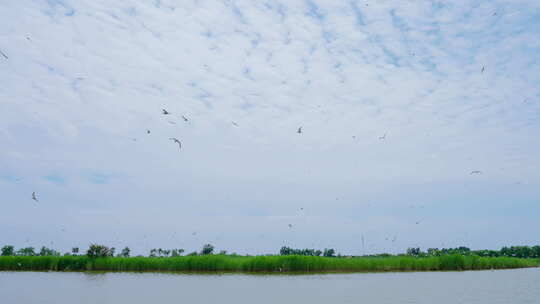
(486, 287)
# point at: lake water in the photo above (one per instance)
(486, 287)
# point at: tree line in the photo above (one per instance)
(525, 252)
(95, 251)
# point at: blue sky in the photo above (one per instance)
(84, 81)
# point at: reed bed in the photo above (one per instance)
(261, 264)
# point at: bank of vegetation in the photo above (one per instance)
(102, 258)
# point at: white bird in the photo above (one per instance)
(176, 141)
(34, 196)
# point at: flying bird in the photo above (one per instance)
(383, 137)
(476, 172)
(234, 123)
(290, 225)
(34, 196)
(483, 68)
(184, 118)
(165, 112)
(176, 141)
(147, 131)
(299, 130)
(5, 56)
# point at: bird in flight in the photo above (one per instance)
(483, 68)
(5, 56)
(476, 172)
(184, 118)
(165, 112)
(176, 141)
(290, 225)
(234, 123)
(34, 196)
(147, 131)
(299, 130)
(383, 137)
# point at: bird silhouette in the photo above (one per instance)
(383, 137)
(5, 56)
(476, 172)
(184, 118)
(176, 141)
(147, 131)
(234, 123)
(165, 112)
(483, 68)
(34, 196)
(299, 130)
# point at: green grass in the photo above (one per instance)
(266, 264)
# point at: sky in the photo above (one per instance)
(398, 101)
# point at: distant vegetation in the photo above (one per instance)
(103, 258)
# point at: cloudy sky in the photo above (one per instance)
(399, 101)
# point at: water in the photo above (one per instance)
(474, 287)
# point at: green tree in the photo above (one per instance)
(99, 251)
(414, 251)
(329, 252)
(7, 250)
(125, 252)
(207, 249)
(177, 252)
(44, 251)
(28, 251)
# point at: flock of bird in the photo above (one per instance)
(179, 143)
(299, 131)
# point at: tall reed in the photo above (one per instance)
(290, 263)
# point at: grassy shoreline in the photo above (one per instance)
(261, 264)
